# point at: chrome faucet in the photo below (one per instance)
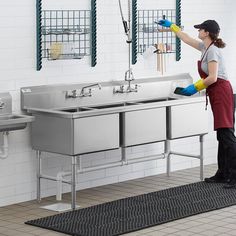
(126, 88)
(84, 94)
(75, 93)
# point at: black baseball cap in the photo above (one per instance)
(210, 26)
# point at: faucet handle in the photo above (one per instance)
(71, 93)
(74, 91)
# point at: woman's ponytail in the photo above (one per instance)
(219, 43)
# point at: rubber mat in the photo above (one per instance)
(142, 211)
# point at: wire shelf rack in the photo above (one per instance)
(146, 33)
(151, 34)
(65, 34)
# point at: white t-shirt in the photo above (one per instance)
(213, 54)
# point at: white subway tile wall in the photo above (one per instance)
(18, 69)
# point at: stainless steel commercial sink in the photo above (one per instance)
(103, 120)
(11, 122)
(75, 125)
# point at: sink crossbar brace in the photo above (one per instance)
(124, 161)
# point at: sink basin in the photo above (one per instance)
(11, 122)
(159, 100)
(115, 105)
(8, 117)
(80, 109)
(132, 103)
(76, 109)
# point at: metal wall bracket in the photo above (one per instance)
(93, 33)
(38, 34)
(134, 32)
(178, 22)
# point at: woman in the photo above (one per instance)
(214, 79)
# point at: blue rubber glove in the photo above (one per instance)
(165, 23)
(190, 90)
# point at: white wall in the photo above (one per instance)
(17, 69)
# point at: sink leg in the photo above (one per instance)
(201, 139)
(38, 175)
(123, 156)
(73, 181)
(167, 152)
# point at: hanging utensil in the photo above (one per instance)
(158, 57)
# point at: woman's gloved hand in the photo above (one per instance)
(166, 23)
(194, 88)
(190, 90)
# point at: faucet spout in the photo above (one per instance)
(75, 93)
(84, 94)
(91, 85)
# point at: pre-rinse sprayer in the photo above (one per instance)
(125, 23)
(129, 73)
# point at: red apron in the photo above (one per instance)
(221, 99)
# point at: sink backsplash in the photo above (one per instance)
(54, 96)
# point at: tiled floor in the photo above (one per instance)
(220, 222)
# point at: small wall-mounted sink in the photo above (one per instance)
(9, 122)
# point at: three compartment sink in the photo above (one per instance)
(10, 122)
(123, 104)
(80, 109)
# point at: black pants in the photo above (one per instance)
(226, 153)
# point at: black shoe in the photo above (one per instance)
(230, 184)
(215, 179)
